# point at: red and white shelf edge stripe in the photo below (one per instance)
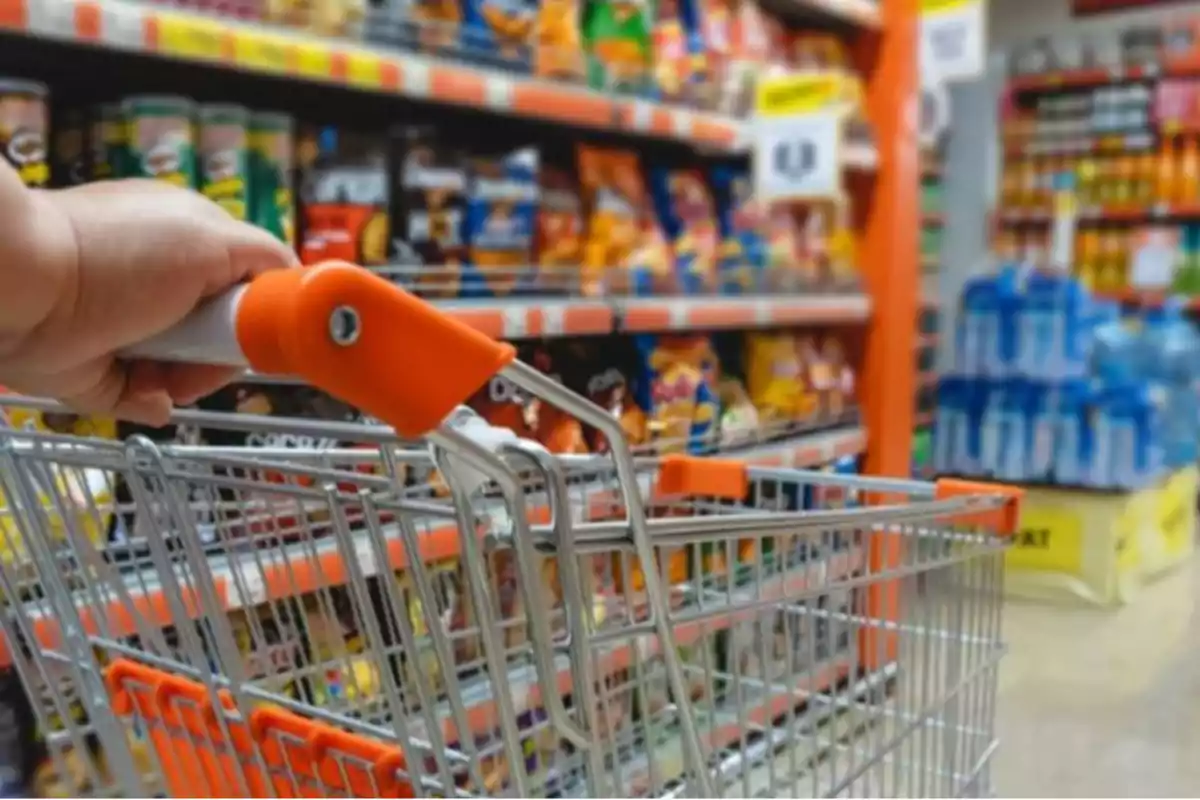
(171, 33)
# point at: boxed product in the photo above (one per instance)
(344, 193)
(428, 189)
(501, 212)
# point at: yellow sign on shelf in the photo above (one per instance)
(364, 70)
(314, 60)
(191, 37)
(799, 93)
(1049, 538)
(262, 52)
(943, 6)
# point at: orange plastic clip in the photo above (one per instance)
(1002, 520)
(366, 341)
(702, 477)
(303, 757)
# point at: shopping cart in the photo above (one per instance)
(437, 608)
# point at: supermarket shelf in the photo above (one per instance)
(1100, 214)
(1099, 76)
(534, 317)
(137, 28)
(637, 315)
(299, 569)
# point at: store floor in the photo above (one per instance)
(1103, 703)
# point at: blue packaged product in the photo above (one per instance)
(675, 389)
(1042, 408)
(1125, 452)
(991, 425)
(685, 209)
(976, 326)
(499, 224)
(1005, 441)
(987, 335)
(1055, 314)
(499, 32)
(742, 251)
(1074, 462)
(949, 426)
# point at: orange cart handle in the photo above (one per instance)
(346, 331)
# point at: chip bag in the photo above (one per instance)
(558, 240)
(616, 36)
(742, 253)
(775, 379)
(678, 50)
(345, 192)
(559, 48)
(624, 250)
(689, 220)
(786, 266)
(676, 391)
(498, 229)
(499, 32)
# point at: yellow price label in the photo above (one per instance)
(191, 37)
(364, 70)
(799, 94)
(314, 61)
(1049, 539)
(262, 52)
(942, 6)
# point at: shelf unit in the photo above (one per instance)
(886, 50)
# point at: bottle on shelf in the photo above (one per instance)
(1189, 169)
(1165, 185)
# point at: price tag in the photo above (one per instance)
(364, 70)
(314, 60)
(952, 39)
(1049, 539)
(191, 37)
(262, 52)
(798, 137)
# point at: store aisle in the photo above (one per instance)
(1096, 703)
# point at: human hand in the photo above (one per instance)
(88, 271)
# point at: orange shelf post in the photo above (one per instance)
(892, 274)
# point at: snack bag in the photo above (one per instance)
(437, 23)
(499, 31)
(624, 250)
(739, 417)
(344, 189)
(678, 49)
(558, 240)
(742, 253)
(502, 404)
(616, 36)
(429, 182)
(775, 379)
(676, 393)
(786, 268)
(498, 230)
(559, 48)
(600, 371)
(686, 210)
(557, 430)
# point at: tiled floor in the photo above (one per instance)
(1103, 703)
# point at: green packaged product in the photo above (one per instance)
(272, 163)
(616, 35)
(107, 141)
(161, 143)
(223, 157)
(24, 122)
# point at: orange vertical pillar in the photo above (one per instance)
(892, 276)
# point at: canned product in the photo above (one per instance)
(223, 152)
(70, 153)
(272, 162)
(161, 144)
(24, 124)
(108, 142)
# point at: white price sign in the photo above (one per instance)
(952, 39)
(798, 137)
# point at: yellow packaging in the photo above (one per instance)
(775, 378)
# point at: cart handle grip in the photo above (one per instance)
(346, 331)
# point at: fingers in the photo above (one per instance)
(145, 391)
(251, 251)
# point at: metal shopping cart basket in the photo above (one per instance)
(434, 607)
